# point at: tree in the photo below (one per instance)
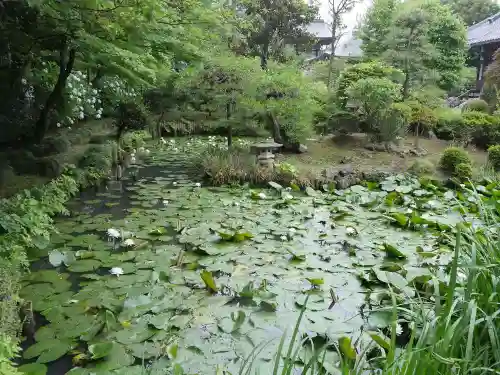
(473, 11)
(422, 38)
(407, 44)
(338, 8)
(376, 26)
(268, 24)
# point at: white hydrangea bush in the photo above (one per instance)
(114, 90)
(82, 100)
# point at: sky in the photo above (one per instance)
(350, 19)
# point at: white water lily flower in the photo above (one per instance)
(113, 233)
(409, 211)
(58, 124)
(399, 329)
(236, 204)
(288, 188)
(133, 159)
(72, 301)
(350, 231)
(287, 196)
(174, 183)
(292, 230)
(198, 185)
(283, 238)
(98, 116)
(165, 202)
(129, 242)
(141, 149)
(147, 152)
(262, 196)
(116, 271)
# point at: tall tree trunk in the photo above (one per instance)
(66, 61)
(276, 129)
(332, 55)
(229, 126)
(264, 55)
(406, 85)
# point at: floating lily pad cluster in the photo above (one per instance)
(204, 279)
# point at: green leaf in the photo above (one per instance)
(392, 252)
(316, 282)
(380, 340)
(33, 369)
(100, 350)
(209, 281)
(346, 348)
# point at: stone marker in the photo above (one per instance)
(264, 152)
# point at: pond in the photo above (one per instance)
(164, 270)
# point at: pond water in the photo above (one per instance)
(209, 274)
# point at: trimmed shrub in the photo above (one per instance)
(452, 157)
(395, 122)
(354, 73)
(494, 156)
(476, 105)
(51, 146)
(485, 129)
(98, 157)
(423, 118)
(422, 167)
(463, 171)
(449, 123)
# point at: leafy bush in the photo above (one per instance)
(484, 128)
(130, 116)
(463, 171)
(475, 105)
(494, 156)
(52, 145)
(8, 351)
(343, 122)
(422, 167)
(395, 122)
(429, 96)
(354, 73)
(423, 118)
(452, 157)
(449, 123)
(373, 98)
(99, 157)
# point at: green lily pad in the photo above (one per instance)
(33, 369)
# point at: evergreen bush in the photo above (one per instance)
(452, 157)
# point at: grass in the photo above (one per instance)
(451, 333)
(330, 151)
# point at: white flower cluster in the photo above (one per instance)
(83, 100)
(116, 90)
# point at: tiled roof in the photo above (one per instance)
(484, 32)
(320, 29)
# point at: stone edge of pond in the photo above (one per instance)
(55, 194)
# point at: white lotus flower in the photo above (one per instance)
(283, 238)
(129, 242)
(174, 183)
(113, 233)
(198, 185)
(399, 329)
(350, 231)
(116, 271)
(262, 195)
(165, 202)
